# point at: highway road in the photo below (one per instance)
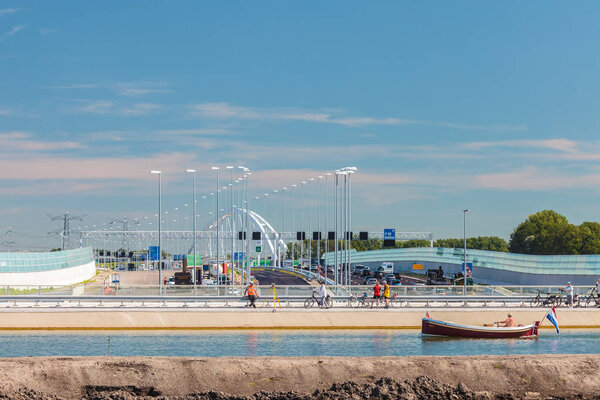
(278, 278)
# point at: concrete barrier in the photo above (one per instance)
(281, 319)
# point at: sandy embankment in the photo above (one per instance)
(68, 377)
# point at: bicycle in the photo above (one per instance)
(311, 301)
(590, 298)
(362, 301)
(393, 300)
(549, 301)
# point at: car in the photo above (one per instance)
(358, 269)
(378, 275)
(366, 272)
(395, 282)
(389, 276)
(171, 281)
(330, 268)
(371, 281)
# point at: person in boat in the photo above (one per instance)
(509, 322)
(376, 294)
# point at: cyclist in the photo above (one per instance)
(252, 294)
(598, 289)
(376, 294)
(322, 293)
(386, 294)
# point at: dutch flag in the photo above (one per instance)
(553, 318)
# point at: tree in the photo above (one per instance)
(541, 233)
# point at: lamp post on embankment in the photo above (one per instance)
(159, 173)
(465, 252)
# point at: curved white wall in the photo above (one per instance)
(56, 277)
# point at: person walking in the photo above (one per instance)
(569, 291)
(322, 293)
(386, 294)
(376, 294)
(252, 294)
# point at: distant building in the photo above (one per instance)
(489, 267)
(47, 269)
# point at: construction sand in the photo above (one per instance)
(480, 377)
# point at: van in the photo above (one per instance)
(386, 267)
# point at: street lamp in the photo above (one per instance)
(193, 172)
(319, 221)
(159, 173)
(217, 216)
(294, 242)
(232, 222)
(465, 252)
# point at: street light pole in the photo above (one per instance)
(293, 224)
(159, 173)
(193, 172)
(230, 168)
(465, 252)
(217, 216)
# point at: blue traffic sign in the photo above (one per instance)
(153, 253)
(389, 234)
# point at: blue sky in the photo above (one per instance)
(442, 106)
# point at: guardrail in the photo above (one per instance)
(304, 290)
(237, 300)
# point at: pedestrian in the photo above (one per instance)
(322, 293)
(569, 291)
(386, 294)
(252, 294)
(598, 289)
(376, 294)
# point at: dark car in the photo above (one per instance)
(366, 272)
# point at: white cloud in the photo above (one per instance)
(21, 141)
(224, 110)
(12, 32)
(561, 144)
(4, 112)
(140, 109)
(98, 107)
(76, 86)
(137, 89)
(194, 132)
(536, 179)
(7, 11)
(108, 107)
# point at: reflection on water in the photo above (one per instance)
(286, 343)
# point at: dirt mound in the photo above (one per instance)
(421, 388)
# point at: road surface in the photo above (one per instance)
(278, 278)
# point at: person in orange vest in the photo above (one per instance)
(252, 294)
(376, 294)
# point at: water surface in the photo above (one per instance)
(347, 343)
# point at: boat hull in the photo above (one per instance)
(441, 328)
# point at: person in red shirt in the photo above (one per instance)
(376, 294)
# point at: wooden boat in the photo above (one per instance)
(441, 328)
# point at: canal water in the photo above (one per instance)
(285, 343)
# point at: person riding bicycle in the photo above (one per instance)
(376, 294)
(598, 289)
(252, 294)
(386, 294)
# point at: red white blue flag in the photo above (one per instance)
(553, 318)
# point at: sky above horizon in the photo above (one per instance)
(491, 106)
